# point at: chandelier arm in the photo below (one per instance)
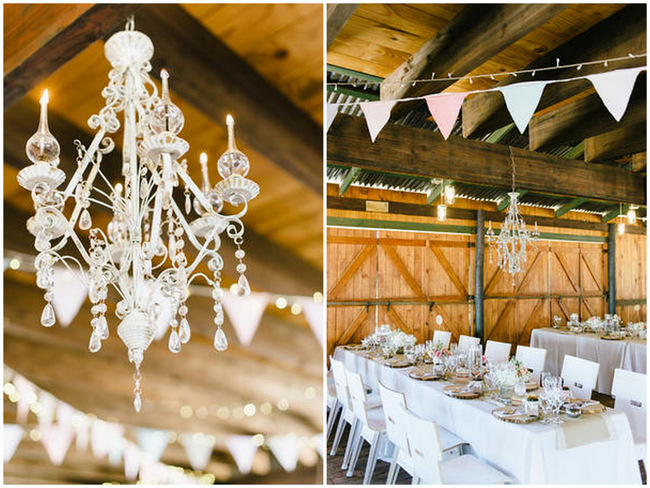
(84, 163)
(69, 232)
(100, 203)
(87, 187)
(154, 234)
(83, 277)
(200, 275)
(193, 188)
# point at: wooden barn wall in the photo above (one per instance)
(560, 278)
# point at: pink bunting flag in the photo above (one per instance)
(313, 313)
(131, 461)
(198, 448)
(377, 115)
(243, 451)
(69, 295)
(245, 313)
(444, 110)
(56, 439)
(615, 89)
(522, 100)
(12, 434)
(331, 113)
(285, 450)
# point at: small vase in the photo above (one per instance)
(506, 393)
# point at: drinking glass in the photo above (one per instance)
(545, 407)
(557, 322)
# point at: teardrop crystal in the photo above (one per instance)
(137, 402)
(184, 331)
(42, 243)
(188, 204)
(220, 341)
(47, 317)
(174, 342)
(243, 287)
(44, 279)
(85, 222)
(102, 327)
(95, 343)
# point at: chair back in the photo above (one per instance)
(497, 352)
(358, 396)
(340, 382)
(443, 336)
(580, 376)
(465, 342)
(533, 358)
(629, 391)
(426, 451)
(394, 405)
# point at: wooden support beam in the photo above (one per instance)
(639, 162)
(567, 273)
(56, 44)
(611, 269)
(352, 328)
(479, 273)
(474, 36)
(269, 122)
(624, 141)
(348, 180)
(418, 152)
(434, 193)
(576, 152)
(363, 254)
(499, 134)
(458, 283)
(485, 112)
(615, 213)
(338, 15)
(591, 272)
(584, 118)
(503, 204)
(404, 271)
(576, 202)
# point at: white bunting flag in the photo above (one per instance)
(12, 434)
(48, 408)
(377, 114)
(64, 413)
(318, 444)
(152, 442)
(114, 443)
(56, 439)
(331, 113)
(198, 448)
(82, 429)
(243, 451)
(285, 450)
(27, 395)
(313, 313)
(98, 434)
(522, 100)
(245, 313)
(444, 110)
(69, 295)
(615, 89)
(131, 461)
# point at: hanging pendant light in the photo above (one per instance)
(441, 212)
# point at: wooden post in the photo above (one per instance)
(611, 268)
(478, 277)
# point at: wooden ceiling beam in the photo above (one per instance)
(418, 152)
(338, 15)
(57, 46)
(584, 118)
(575, 203)
(638, 163)
(625, 141)
(485, 112)
(474, 36)
(209, 75)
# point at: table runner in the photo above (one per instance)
(528, 453)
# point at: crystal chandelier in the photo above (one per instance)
(513, 238)
(149, 252)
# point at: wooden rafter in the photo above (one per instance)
(626, 140)
(338, 15)
(404, 271)
(363, 254)
(576, 202)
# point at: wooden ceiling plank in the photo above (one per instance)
(576, 202)
(475, 35)
(486, 112)
(624, 141)
(98, 22)
(223, 83)
(639, 162)
(401, 149)
(338, 15)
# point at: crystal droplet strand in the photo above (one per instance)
(137, 400)
(95, 343)
(243, 288)
(85, 222)
(220, 341)
(47, 317)
(102, 327)
(184, 332)
(174, 342)
(188, 204)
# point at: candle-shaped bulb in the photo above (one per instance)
(164, 76)
(233, 161)
(118, 189)
(203, 159)
(166, 117)
(42, 147)
(230, 123)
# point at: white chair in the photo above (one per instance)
(369, 426)
(629, 391)
(532, 358)
(443, 336)
(580, 376)
(394, 405)
(429, 467)
(333, 405)
(347, 414)
(497, 352)
(465, 342)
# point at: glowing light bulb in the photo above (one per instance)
(42, 147)
(450, 194)
(442, 212)
(233, 161)
(166, 117)
(621, 228)
(631, 216)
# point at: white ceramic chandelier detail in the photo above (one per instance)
(143, 253)
(514, 238)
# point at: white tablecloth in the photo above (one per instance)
(528, 452)
(626, 354)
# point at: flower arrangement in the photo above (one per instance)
(399, 339)
(437, 350)
(520, 370)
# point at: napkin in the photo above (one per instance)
(584, 430)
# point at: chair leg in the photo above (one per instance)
(372, 460)
(355, 454)
(415, 480)
(339, 433)
(331, 418)
(354, 432)
(394, 468)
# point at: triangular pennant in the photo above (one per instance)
(152, 442)
(27, 395)
(198, 448)
(318, 444)
(64, 413)
(243, 451)
(615, 89)
(56, 439)
(48, 408)
(12, 434)
(377, 114)
(114, 443)
(69, 295)
(522, 100)
(98, 439)
(331, 113)
(444, 110)
(82, 429)
(245, 313)
(131, 461)
(285, 450)
(313, 313)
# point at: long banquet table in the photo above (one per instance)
(529, 452)
(627, 354)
